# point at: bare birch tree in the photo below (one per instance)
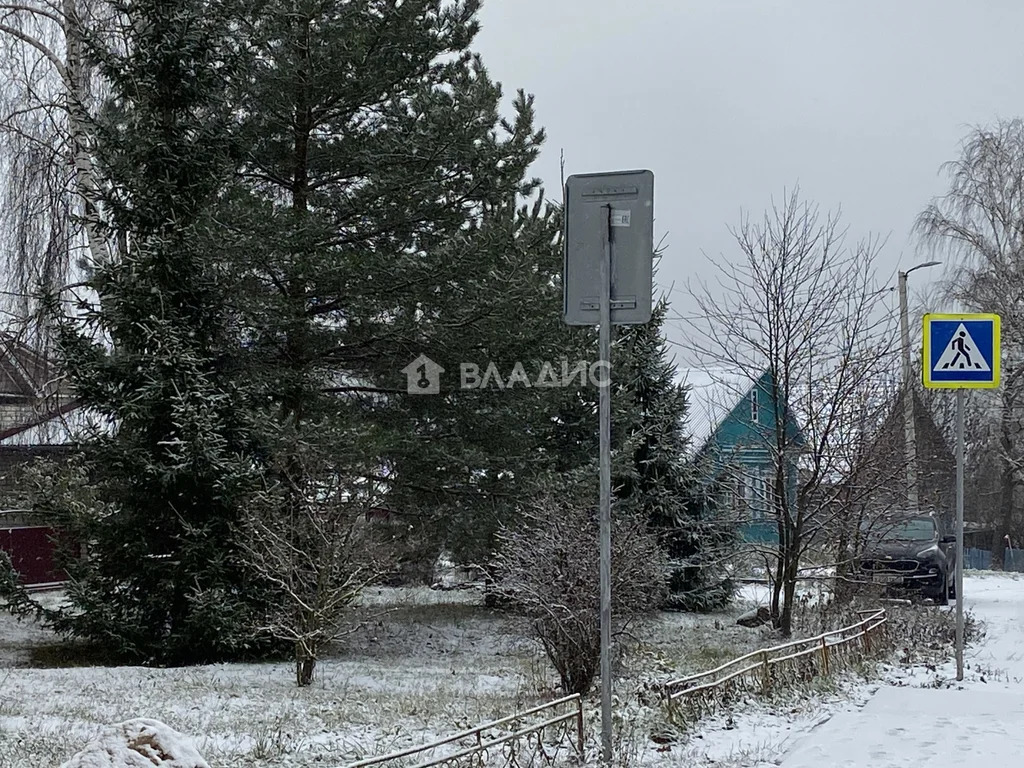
(980, 222)
(51, 221)
(802, 305)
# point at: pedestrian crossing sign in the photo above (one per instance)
(961, 351)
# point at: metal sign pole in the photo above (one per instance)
(594, 203)
(605, 426)
(960, 534)
(960, 351)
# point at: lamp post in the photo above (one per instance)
(908, 392)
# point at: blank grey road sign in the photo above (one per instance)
(630, 195)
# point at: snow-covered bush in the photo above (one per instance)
(549, 569)
(311, 538)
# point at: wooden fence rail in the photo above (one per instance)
(763, 669)
(521, 744)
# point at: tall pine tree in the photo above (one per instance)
(384, 212)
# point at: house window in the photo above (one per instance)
(740, 491)
(754, 409)
(758, 497)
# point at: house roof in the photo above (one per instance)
(712, 393)
(42, 403)
(62, 426)
(25, 374)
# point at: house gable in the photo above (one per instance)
(35, 404)
(729, 413)
(732, 424)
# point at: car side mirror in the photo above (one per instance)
(948, 540)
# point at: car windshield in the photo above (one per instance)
(918, 529)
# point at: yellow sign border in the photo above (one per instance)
(926, 356)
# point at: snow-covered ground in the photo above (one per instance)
(425, 664)
(928, 718)
(438, 662)
(915, 714)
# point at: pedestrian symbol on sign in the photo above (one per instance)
(961, 353)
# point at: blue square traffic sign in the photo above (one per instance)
(961, 351)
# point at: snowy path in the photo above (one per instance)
(974, 723)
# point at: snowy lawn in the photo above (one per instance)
(425, 664)
(433, 663)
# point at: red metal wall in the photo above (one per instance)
(31, 552)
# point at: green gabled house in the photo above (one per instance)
(732, 426)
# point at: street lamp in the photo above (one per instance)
(908, 395)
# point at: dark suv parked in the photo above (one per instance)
(912, 555)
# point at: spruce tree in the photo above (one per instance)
(652, 476)
(155, 359)
(661, 484)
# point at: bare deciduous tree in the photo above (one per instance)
(802, 305)
(320, 557)
(873, 493)
(549, 569)
(980, 221)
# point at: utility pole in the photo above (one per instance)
(909, 427)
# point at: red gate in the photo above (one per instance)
(32, 554)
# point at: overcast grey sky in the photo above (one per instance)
(731, 101)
